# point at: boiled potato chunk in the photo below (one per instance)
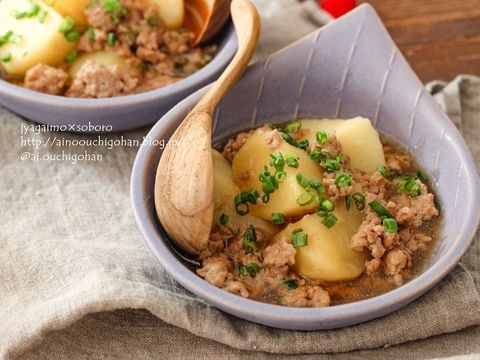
(37, 42)
(172, 12)
(328, 255)
(225, 191)
(106, 57)
(73, 8)
(360, 141)
(249, 163)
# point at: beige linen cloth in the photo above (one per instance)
(77, 282)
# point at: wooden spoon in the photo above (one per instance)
(206, 17)
(184, 180)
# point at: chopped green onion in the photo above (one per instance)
(318, 186)
(6, 57)
(292, 160)
(291, 140)
(67, 25)
(296, 231)
(290, 284)
(264, 174)
(348, 202)
(33, 10)
(314, 183)
(322, 137)
(302, 144)
(4, 39)
(333, 164)
(249, 240)
(15, 39)
(299, 240)
(224, 219)
(243, 271)
(277, 161)
(251, 269)
(19, 15)
(327, 205)
(379, 209)
(415, 190)
(329, 220)
(42, 15)
(280, 176)
(250, 196)
(241, 201)
(384, 171)
(112, 5)
(270, 185)
(242, 209)
(68, 29)
(422, 176)
(305, 199)
(278, 218)
(91, 34)
(293, 126)
(318, 155)
(10, 38)
(390, 225)
(407, 184)
(343, 179)
(404, 182)
(72, 56)
(72, 36)
(359, 199)
(111, 39)
(302, 181)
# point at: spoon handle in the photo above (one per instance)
(247, 22)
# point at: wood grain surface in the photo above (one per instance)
(439, 38)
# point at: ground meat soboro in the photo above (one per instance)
(267, 271)
(271, 265)
(46, 79)
(154, 55)
(99, 81)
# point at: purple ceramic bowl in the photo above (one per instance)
(349, 68)
(119, 113)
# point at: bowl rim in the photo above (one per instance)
(220, 60)
(311, 318)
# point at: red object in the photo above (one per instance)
(337, 8)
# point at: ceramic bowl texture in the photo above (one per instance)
(121, 113)
(348, 68)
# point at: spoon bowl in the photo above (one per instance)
(184, 180)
